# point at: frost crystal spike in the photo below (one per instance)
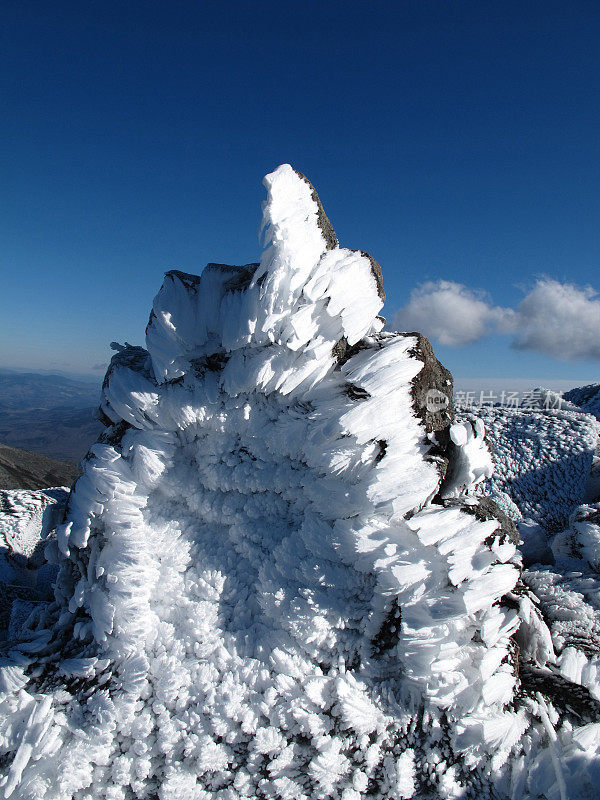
(273, 579)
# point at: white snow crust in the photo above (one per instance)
(259, 593)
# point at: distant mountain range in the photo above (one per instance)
(50, 414)
(21, 469)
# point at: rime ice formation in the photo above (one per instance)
(274, 578)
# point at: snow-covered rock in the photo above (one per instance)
(261, 591)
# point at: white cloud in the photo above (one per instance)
(557, 319)
(560, 320)
(451, 313)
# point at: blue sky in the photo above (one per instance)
(455, 141)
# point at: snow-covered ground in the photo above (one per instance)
(279, 577)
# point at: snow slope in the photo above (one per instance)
(269, 583)
(587, 397)
(542, 459)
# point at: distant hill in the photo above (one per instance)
(43, 391)
(21, 469)
(50, 414)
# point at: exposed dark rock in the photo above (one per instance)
(388, 635)
(151, 319)
(356, 392)
(340, 349)
(243, 278)
(114, 433)
(104, 419)
(383, 446)
(585, 515)
(487, 508)
(310, 571)
(214, 362)
(437, 455)
(433, 377)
